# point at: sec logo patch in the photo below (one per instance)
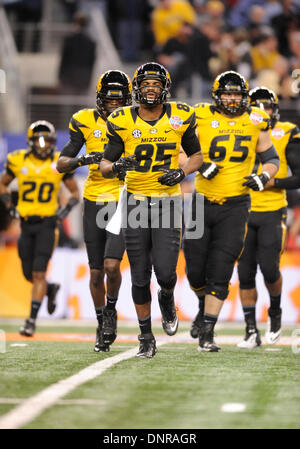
(97, 133)
(136, 133)
(215, 124)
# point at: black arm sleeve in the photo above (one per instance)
(74, 145)
(293, 159)
(189, 141)
(10, 172)
(115, 147)
(70, 150)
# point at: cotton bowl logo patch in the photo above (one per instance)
(153, 131)
(24, 170)
(176, 122)
(136, 133)
(97, 133)
(256, 118)
(215, 124)
(277, 133)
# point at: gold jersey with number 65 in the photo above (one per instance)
(230, 142)
(156, 145)
(38, 182)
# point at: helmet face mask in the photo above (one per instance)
(151, 71)
(265, 98)
(113, 90)
(231, 83)
(41, 139)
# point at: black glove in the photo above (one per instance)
(10, 207)
(63, 211)
(90, 158)
(171, 177)
(257, 182)
(209, 170)
(124, 164)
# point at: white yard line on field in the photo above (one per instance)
(59, 402)
(34, 406)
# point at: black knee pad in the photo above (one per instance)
(247, 285)
(141, 295)
(40, 262)
(27, 269)
(196, 280)
(166, 283)
(218, 290)
(271, 275)
(246, 276)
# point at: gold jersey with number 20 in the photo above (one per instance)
(38, 182)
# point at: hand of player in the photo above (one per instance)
(257, 182)
(90, 158)
(123, 165)
(209, 170)
(63, 211)
(10, 208)
(171, 177)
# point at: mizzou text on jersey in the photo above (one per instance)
(230, 142)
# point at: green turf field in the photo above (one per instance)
(177, 389)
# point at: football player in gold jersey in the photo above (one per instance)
(39, 183)
(267, 223)
(149, 136)
(231, 134)
(105, 250)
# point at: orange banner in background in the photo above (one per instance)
(69, 268)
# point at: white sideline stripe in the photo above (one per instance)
(34, 406)
(59, 402)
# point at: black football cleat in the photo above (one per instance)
(109, 326)
(100, 346)
(206, 339)
(51, 293)
(28, 329)
(147, 347)
(196, 325)
(168, 312)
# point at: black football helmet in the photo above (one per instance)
(228, 82)
(263, 97)
(113, 85)
(41, 132)
(151, 70)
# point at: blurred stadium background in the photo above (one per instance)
(258, 38)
